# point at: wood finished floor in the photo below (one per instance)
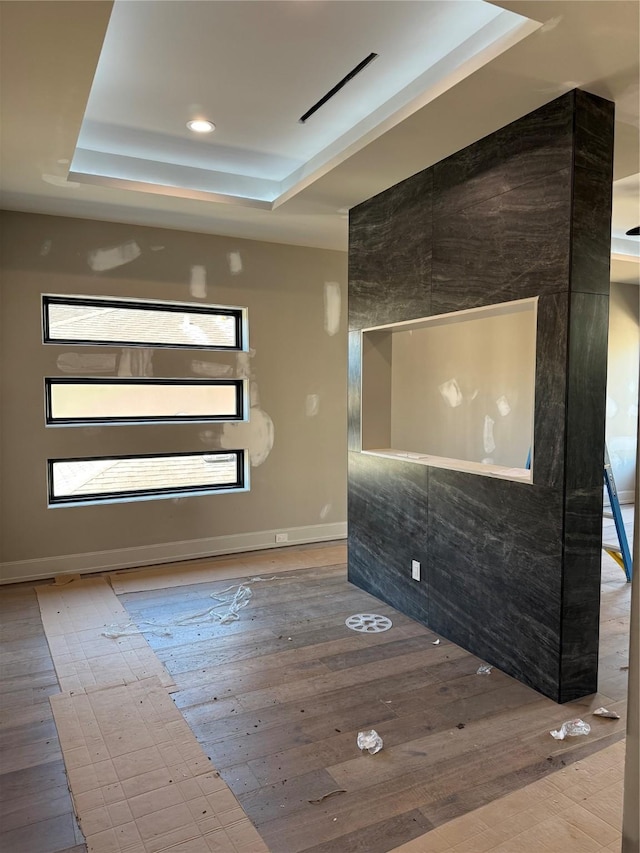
(277, 699)
(36, 815)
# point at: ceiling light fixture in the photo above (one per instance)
(201, 125)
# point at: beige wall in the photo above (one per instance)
(296, 368)
(622, 385)
(465, 390)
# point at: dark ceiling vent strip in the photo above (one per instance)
(323, 100)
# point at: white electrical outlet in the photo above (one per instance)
(415, 570)
(282, 537)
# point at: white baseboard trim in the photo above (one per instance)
(625, 496)
(167, 552)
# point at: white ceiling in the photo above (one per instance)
(254, 69)
(448, 73)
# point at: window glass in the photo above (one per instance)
(82, 401)
(115, 478)
(121, 322)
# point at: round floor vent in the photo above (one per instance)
(368, 623)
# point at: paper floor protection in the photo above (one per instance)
(74, 615)
(139, 780)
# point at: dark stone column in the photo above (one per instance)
(510, 571)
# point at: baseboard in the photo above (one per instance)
(167, 552)
(625, 496)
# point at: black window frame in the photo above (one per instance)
(239, 315)
(241, 484)
(50, 420)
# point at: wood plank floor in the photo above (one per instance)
(575, 810)
(277, 699)
(36, 815)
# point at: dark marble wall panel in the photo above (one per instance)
(586, 389)
(512, 569)
(390, 255)
(580, 618)
(523, 151)
(388, 529)
(590, 253)
(550, 390)
(593, 133)
(354, 400)
(511, 246)
(592, 190)
(494, 551)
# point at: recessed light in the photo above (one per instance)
(201, 125)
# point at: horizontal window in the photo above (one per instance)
(129, 322)
(132, 400)
(112, 479)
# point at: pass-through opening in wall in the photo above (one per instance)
(454, 390)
